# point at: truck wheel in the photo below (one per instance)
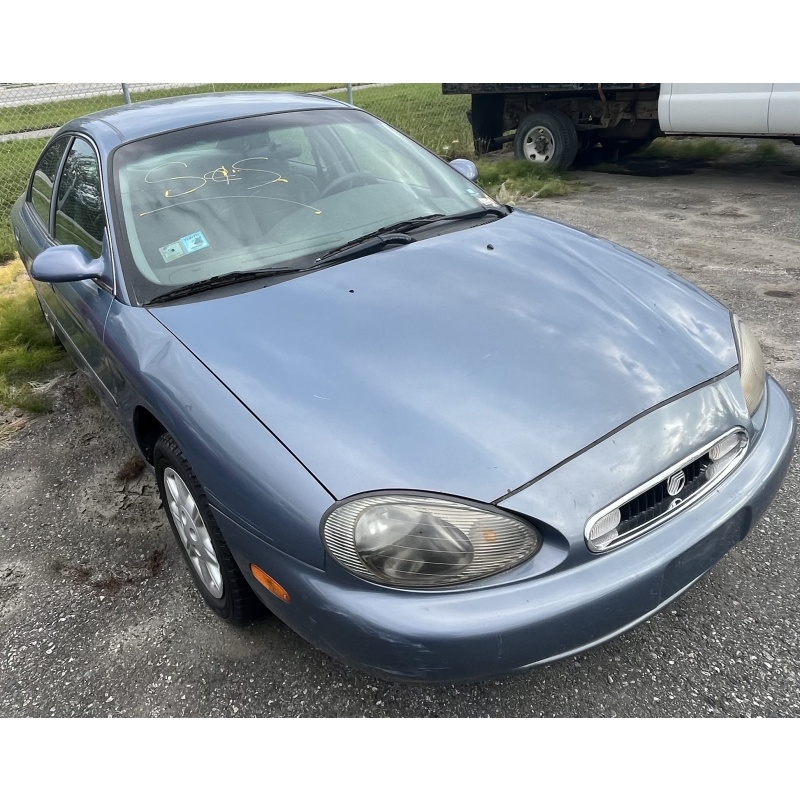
(547, 137)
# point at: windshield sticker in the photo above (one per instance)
(188, 244)
(487, 201)
(171, 251)
(194, 241)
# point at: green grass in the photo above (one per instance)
(707, 149)
(511, 181)
(421, 110)
(26, 349)
(765, 154)
(736, 153)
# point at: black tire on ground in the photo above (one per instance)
(213, 568)
(547, 137)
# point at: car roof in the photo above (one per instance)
(125, 123)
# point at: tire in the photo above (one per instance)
(213, 568)
(547, 137)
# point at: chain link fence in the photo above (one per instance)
(31, 113)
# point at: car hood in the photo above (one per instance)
(467, 363)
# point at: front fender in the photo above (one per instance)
(246, 471)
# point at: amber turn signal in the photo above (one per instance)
(270, 584)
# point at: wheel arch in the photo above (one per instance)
(147, 430)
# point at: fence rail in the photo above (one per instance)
(31, 113)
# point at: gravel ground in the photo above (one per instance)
(98, 616)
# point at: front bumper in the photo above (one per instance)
(478, 632)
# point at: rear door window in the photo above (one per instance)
(44, 177)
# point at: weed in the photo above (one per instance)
(131, 469)
(513, 180)
(90, 395)
(112, 581)
(8, 429)
(692, 149)
(669, 155)
(26, 347)
(457, 149)
(20, 395)
(766, 154)
(155, 561)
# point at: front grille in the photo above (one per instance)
(654, 502)
(666, 494)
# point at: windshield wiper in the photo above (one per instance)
(228, 279)
(478, 213)
(362, 246)
(396, 234)
(396, 227)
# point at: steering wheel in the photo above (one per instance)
(351, 178)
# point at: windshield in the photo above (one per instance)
(271, 193)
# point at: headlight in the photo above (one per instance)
(405, 540)
(751, 365)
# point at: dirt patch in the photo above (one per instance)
(114, 579)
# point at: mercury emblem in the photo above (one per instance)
(676, 482)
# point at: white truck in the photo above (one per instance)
(551, 122)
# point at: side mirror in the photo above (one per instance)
(65, 263)
(466, 168)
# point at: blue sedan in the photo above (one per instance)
(441, 438)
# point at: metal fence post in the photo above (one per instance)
(126, 94)
(350, 93)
